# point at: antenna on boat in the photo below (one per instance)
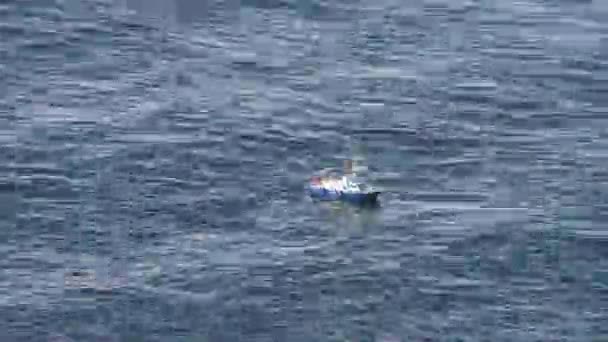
(356, 159)
(348, 167)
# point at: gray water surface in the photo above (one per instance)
(153, 156)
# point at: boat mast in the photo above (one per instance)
(348, 167)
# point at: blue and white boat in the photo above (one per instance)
(344, 188)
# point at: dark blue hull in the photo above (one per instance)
(350, 197)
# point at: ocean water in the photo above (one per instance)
(153, 157)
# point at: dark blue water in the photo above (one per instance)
(153, 155)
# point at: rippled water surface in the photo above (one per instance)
(153, 157)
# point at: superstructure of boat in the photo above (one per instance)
(342, 188)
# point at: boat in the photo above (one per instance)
(343, 188)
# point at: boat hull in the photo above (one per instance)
(325, 194)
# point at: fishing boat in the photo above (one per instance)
(342, 188)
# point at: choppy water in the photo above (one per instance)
(153, 155)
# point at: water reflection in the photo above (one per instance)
(351, 218)
(151, 10)
(179, 12)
